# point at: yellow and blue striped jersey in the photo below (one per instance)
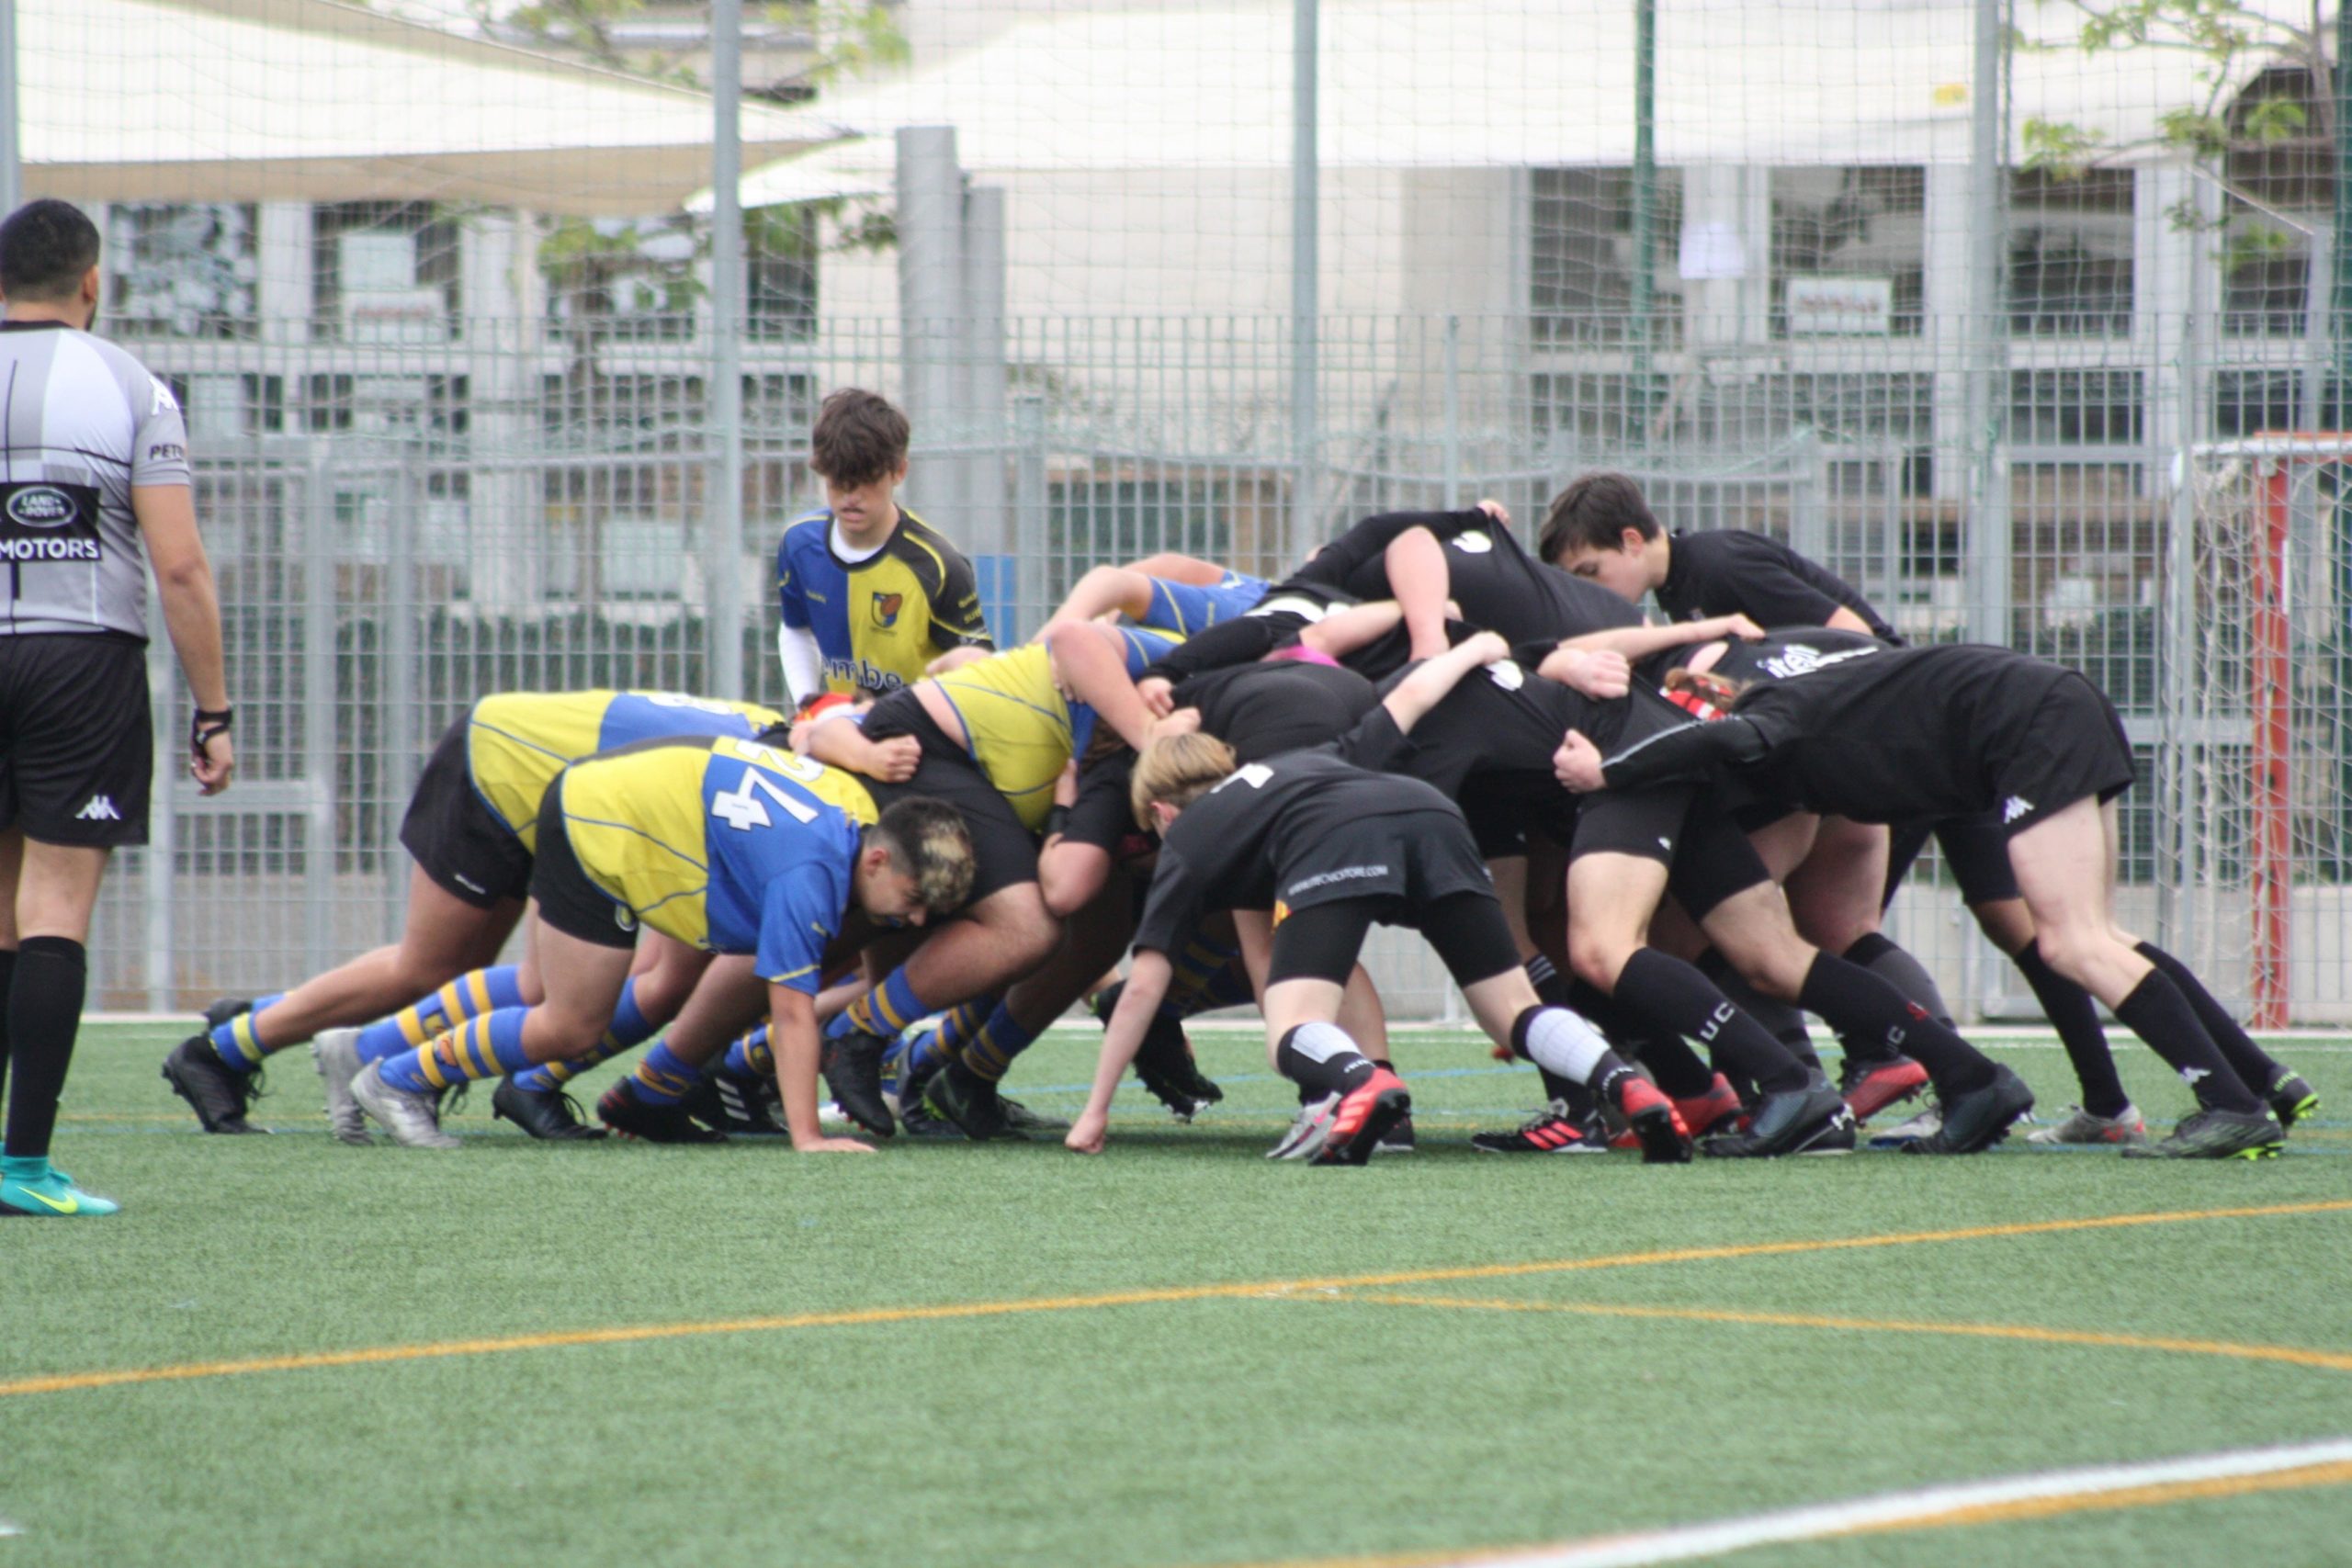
(1021, 727)
(879, 621)
(726, 844)
(517, 741)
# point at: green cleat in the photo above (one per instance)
(1032, 1124)
(2291, 1098)
(2217, 1135)
(33, 1186)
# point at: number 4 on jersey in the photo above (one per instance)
(742, 809)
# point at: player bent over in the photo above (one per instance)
(1329, 849)
(471, 828)
(1876, 734)
(725, 846)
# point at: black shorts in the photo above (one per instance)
(1418, 857)
(2073, 748)
(455, 837)
(1466, 929)
(1004, 852)
(1976, 850)
(77, 740)
(1713, 860)
(1643, 822)
(567, 900)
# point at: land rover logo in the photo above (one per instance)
(40, 506)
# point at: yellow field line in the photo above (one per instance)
(62, 1382)
(2330, 1361)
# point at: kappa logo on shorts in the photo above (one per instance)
(468, 882)
(1478, 542)
(2017, 806)
(100, 809)
(625, 919)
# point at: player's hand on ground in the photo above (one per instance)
(1577, 763)
(896, 760)
(1597, 673)
(1496, 509)
(1086, 1134)
(1157, 695)
(214, 763)
(831, 1147)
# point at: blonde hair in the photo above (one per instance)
(928, 841)
(1178, 768)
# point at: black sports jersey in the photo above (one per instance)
(1501, 721)
(1870, 732)
(1785, 653)
(1103, 814)
(1262, 710)
(1272, 824)
(1499, 585)
(1732, 573)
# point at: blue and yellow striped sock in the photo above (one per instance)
(239, 1048)
(478, 1048)
(885, 1009)
(748, 1057)
(1211, 976)
(469, 995)
(629, 1028)
(1001, 1038)
(661, 1079)
(962, 1026)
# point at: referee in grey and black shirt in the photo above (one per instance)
(93, 485)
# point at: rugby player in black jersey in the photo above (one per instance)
(1309, 851)
(1600, 528)
(1878, 733)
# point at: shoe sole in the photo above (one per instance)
(227, 1124)
(347, 1120)
(1661, 1138)
(1389, 1108)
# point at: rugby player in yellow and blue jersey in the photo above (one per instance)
(471, 827)
(1182, 595)
(870, 592)
(723, 846)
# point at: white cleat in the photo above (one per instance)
(407, 1114)
(1309, 1131)
(335, 1053)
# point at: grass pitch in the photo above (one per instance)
(622, 1354)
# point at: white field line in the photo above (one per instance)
(1901, 1509)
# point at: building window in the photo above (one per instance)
(614, 277)
(1581, 263)
(2076, 408)
(780, 264)
(182, 269)
(2070, 252)
(384, 272)
(1864, 224)
(2267, 256)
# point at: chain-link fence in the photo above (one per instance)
(1968, 301)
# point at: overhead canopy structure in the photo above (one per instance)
(305, 100)
(1460, 83)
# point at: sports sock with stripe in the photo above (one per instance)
(2255, 1067)
(748, 1057)
(469, 995)
(662, 1079)
(236, 1042)
(1671, 998)
(1000, 1039)
(478, 1048)
(1786, 1022)
(884, 1011)
(1321, 1059)
(1858, 1003)
(2074, 1016)
(2160, 1015)
(628, 1028)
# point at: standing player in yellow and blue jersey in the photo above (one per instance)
(870, 592)
(720, 846)
(471, 827)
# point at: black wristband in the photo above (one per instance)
(1057, 821)
(205, 723)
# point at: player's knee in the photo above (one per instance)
(1597, 957)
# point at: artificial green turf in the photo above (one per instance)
(1209, 1431)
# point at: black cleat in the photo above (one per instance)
(1977, 1120)
(1810, 1120)
(632, 1118)
(548, 1115)
(1400, 1138)
(2291, 1098)
(225, 1008)
(1164, 1064)
(852, 1067)
(219, 1095)
(2217, 1135)
(741, 1108)
(971, 1102)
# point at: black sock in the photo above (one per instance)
(1321, 1059)
(2255, 1067)
(8, 978)
(2074, 1016)
(1899, 969)
(1786, 1022)
(1858, 1002)
(1552, 988)
(44, 1014)
(1674, 999)
(2159, 1014)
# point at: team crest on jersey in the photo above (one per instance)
(885, 609)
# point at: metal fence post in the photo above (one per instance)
(160, 860)
(319, 847)
(1029, 523)
(1454, 493)
(398, 647)
(723, 508)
